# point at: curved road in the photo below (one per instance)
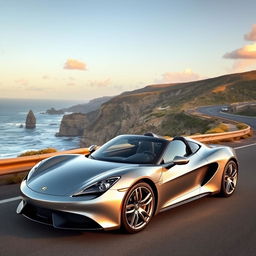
(216, 111)
(208, 226)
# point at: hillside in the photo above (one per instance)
(92, 105)
(160, 108)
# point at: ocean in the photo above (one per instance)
(15, 140)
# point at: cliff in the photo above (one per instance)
(72, 125)
(160, 108)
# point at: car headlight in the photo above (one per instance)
(98, 187)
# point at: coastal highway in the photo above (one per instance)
(216, 111)
(208, 226)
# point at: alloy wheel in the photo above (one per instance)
(230, 178)
(139, 207)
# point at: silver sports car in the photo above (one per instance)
(125, 182)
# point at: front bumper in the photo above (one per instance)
(66, 212)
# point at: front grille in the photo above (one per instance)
(39, 214)
(59, 219)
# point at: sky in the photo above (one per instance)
(79, 50)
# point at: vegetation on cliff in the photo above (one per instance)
(160, 108)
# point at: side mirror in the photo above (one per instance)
(179, 160)
(92, 148)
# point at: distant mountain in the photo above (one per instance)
(160, 108)
(92, 105)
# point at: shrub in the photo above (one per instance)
(223, 127)
(181, 123)
(241, 126)
(38, 152)
(218, 129)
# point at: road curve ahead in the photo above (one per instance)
(211, 226)
(216, 111)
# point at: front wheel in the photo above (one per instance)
(229, 179)
(138, 207)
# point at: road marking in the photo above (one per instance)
(10, 199)
(245, 146)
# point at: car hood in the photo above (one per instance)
(67, 174)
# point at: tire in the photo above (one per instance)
(229, 179)
(138, 208)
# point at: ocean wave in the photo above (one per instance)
(15, 140)
(10, 155)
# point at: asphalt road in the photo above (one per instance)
(216, 111)
(208, 226)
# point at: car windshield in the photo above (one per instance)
(131, 149)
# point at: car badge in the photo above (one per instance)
(44, 188)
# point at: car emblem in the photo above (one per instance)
(44, 188)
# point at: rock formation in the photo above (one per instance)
(72, 125)
(30, 120)
(53, 111)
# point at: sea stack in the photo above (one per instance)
(30, 120)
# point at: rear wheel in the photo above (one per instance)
(138, 207)
(229, 179)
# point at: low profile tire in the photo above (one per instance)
(229, 179)
(138, 208)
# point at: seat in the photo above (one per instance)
(145, 146)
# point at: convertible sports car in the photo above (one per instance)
(125, 182)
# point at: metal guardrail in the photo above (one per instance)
(221, 136)
(22, 164)
(25, 163)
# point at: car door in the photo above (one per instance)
(181, 179)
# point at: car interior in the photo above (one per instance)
(136, 150)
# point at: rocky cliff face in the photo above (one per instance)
(159, 108)
(123, 114)
(73, 125)
(30, 120)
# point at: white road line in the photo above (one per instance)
(246, 146)
(10, 199)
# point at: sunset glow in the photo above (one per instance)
(86, 49)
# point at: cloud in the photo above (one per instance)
(100, 83)
(244, 57)
(21, 81)
(174, 77)
(243, 65)
(251, 36)
(75, 64)
(246, 52)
